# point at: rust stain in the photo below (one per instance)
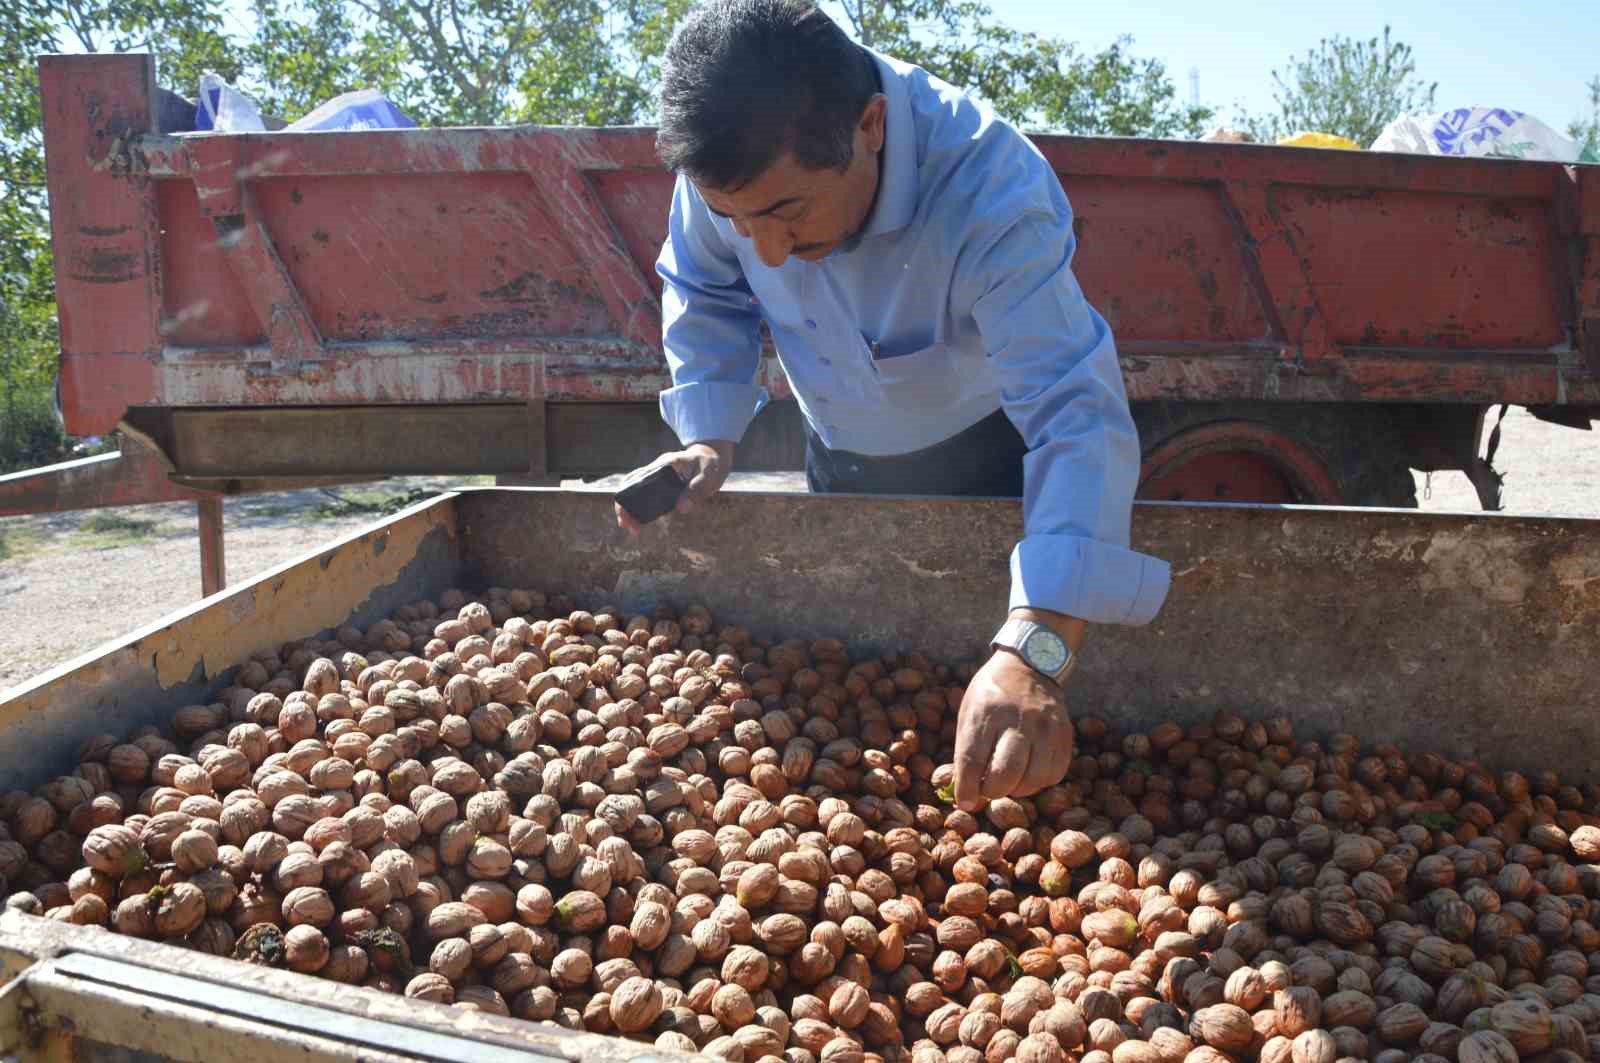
(105, 266)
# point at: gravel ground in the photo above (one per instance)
(69, 582)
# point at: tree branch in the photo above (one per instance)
(514, 41)
(78, 22)
(442, 58)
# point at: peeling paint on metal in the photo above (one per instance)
(917, 569)
(1462, 559)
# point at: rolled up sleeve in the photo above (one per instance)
(710, 328)
(1061, 386)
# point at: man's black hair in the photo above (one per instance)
(746, 80)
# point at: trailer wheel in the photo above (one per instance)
(1259, 452)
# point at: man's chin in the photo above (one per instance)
(815, 254)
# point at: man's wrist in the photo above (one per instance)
(723, 448)
(1015, 655)
(1056, 665)
(1070, 628)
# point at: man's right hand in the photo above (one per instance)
(704, 466)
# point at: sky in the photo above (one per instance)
(1534, 57)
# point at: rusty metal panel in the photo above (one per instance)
(134, 476)
(372, 441)
(549, 439)
(1471, 635)
(144, 676)
(1449, 632)
(103, 228)
(503, 265)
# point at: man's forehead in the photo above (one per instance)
(782, 182)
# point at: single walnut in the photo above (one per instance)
(1225, 1027)
(635, 1004)
(114, 850)
(306, 949)
(179, 909)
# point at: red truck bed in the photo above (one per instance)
(327, 289)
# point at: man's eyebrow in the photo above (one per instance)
(779, 205)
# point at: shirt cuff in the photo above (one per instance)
(1088, 579)
(711, 410)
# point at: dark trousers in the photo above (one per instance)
(985, 459)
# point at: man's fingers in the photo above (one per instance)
(625, 520)
(974, 744)
(1051, 747)
(699, 482)
(1045, 768)
(687, 466)
(1007, 765)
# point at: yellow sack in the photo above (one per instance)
(1319, 140)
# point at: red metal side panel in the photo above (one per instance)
(366, 253)
(103, 225)
(427, 266)
(1430, 270)
(1194, 276)
(637, 203)
(203, 303)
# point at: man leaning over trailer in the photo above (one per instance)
(911, 255)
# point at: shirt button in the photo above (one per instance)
(825, 361)
(811, 324)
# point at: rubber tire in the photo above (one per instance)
(1360, 445)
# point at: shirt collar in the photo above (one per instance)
(898, 185)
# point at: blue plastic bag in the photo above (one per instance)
(224, 109)
(362, 109)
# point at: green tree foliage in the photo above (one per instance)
(1041, 83)
(187, 38)
(1347, 87)
(446, 62)
(1586, 131)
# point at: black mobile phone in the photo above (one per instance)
(651, 494)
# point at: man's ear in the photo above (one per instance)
(870, 128)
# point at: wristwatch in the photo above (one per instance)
(1040, 648)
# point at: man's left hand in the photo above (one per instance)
(1014, 734)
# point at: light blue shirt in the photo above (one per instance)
(958, 299)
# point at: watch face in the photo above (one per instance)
(1045, 651)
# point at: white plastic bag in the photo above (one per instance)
(1476, 132)
(225, 109)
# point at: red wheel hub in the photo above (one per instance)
(1236, 461)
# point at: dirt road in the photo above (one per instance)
(72, 581)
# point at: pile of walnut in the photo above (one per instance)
(653, 827)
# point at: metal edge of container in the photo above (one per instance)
(107, 989)
(1472, 635)
(1396, 603)
(1468, 634)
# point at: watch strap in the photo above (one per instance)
(1014, 634)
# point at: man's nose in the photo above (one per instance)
(773, 242)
